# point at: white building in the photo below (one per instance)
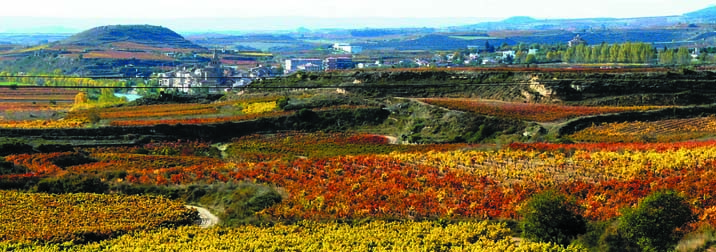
(347, 48)
(506, 54)
(292, 65)
(369, 65)
(310, 67)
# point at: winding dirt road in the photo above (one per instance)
(207, 219)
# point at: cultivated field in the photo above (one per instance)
(321, 170)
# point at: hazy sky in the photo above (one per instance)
(162, 9)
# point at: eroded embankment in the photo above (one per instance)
(304, 120)
(580, 87)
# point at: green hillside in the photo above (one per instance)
(156, 36)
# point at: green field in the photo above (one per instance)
(13, 83)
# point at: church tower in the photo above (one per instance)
(215, 61)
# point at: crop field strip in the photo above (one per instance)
(146, 115)
(31, 217)
(662, 131)
(526, 111)
(304, 236)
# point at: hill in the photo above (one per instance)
(519, 20)
(434, 42)
(709, 12)
(155, 36)
(706, 15)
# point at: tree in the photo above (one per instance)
(580, 53)
(107, 96)
(604, 53)
(530, 59)
(614, 53)
(622, 55)
(652, 225)
(508, 60)
(550, 217)
(666, 57)
(489, 48)
(682, 56)
(81, 98)
(519, 57)
(594, 55)
(504, 46)
(568, 55)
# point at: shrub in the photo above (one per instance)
(282, 102)
(241, 202)
(550, 217)
(10, 168)
(14, 146)
(72, 184)
(653, 224)
(613, 240)
(235, 203)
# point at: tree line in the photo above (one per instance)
(627, 53)
(56, 79)
(615, 53)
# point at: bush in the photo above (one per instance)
(613, 240)
(653, 224)
(550, 217)
(282, 102)
(234, 203)
(241, 202)
(10, 146)
(10, 168)
(71, 184)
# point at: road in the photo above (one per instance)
(207, 218)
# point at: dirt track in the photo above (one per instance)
(207, 219)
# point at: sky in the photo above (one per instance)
(83, 14)
(143, 9)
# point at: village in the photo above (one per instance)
(221, 73)
(217, 76)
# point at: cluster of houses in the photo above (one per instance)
(212, 77)
(317, 65)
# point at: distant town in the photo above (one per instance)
(215, 62)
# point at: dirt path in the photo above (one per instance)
(392, 140)
(207, 219)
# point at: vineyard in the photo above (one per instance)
(326, 171)
(30, 217)
(657, 131)
(80, 115)
(379, 236)
(423, 183)
(125, 55)
(530, 112)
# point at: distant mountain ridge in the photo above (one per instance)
(709, 12)
(156, 36)
(706, 15)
